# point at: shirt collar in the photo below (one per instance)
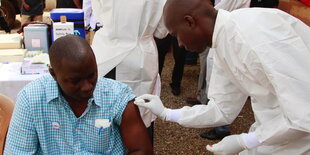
(94, 100)
(53, 92)
(99, 90)
(221, 19)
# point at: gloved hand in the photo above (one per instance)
(153, 103)
(230, 145)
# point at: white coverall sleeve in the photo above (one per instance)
(96, 7)
(87, 11)
(230, 5)
(161, 30)
(288, 69)
(226, 102)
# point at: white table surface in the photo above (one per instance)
(11, 81)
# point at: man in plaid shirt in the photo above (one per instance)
(72, 111)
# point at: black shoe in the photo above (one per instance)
(212, 135)
(176, 91)
(192, 101)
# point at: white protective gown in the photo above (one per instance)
(126, 42)
(89, 18)
(228, 5)
(265, 54)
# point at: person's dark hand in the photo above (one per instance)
(27, 7)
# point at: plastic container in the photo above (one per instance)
(36, 37)
(73, 15)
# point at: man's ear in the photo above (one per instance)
(52, 72)
(190, 21)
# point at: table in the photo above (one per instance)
(11, 81)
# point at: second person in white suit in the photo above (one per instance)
(126, 43)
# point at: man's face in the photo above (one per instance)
(189, 36)
(77, 79)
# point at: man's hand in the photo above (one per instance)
(27, 7)
(153, 103)
(230, 145)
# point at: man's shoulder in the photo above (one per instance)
(256, 14)
(258, 26)
(108, 90)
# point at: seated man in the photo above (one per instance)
(73, 111)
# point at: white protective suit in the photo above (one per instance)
(126, 42)
(206, 57)
(89, 18)
(265, 54)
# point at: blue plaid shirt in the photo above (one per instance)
(43, 122)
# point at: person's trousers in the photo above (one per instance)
(163, 46)
(222, 129)
(202, 94)
(29, 18)
(209, 60)
(179, 61)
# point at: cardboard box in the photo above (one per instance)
(62, 29)
(12, 55)
(297, 9)
(10, 41)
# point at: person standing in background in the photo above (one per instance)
(69, 4)
(90, 22)
(125, 48)
(179, 54)
(3, 24)
(32, 10)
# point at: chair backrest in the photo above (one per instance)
(6, 110)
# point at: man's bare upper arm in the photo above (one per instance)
(133, 131)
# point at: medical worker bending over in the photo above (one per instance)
(72, 111)
(261, 53)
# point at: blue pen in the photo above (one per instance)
(100, 129)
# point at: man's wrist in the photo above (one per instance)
(173, 115)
